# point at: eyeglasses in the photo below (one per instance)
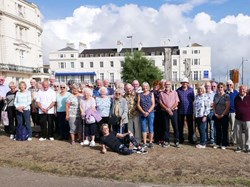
(214, 86)
(221, 87)
(56, 86)
(62, 87)
(117, 93)
(229, 84)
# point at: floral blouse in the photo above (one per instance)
(201, 105)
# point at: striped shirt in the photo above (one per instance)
(23, 99)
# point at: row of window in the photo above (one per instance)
(195, 61)
(193, 52)
(62, 65)
(196, 75)
(64, 55)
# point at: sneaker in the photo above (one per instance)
(199, 146)
(166, 144)
(92, 143)
(248, 151)
(144, 145)
(215, 146)
(223, 147)
(237, 150)
(81, 143)
(42, 139)
(150, 145)
(29, 139)
(85, 142)
(141, 151)
(73, 143)
(177, 145)
(12, 136)
(51, 139)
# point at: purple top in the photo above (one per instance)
(146, 101)
(186, 100)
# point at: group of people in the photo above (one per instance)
(86, 114)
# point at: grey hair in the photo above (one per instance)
(12, 83)
(75, 85)
(103, 89)
(88, 90)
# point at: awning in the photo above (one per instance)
(73, 73)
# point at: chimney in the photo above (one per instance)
(82, 46)
(119, 46)
(72, 45)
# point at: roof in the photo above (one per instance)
(146, 50)
(68, 49)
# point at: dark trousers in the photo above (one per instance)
(11, 110)
(159, 126)
(174, 122)
(119, 129)
(90, 129)
(34, 117)
(189, 118)
(124, 148)
(221, 126)
(63, 125)
(47, 125)
(202, 130)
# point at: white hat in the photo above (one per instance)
(185, 79)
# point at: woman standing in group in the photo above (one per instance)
(88, 106)
(11, 110)
(61, 112)
(221, 107)
(201, 110)
(22, 103)
(73, 115)
(146, 104)
(103, 105)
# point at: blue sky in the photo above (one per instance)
(223, 25)
(218, 9)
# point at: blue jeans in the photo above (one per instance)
(150, 119)
(202, 130)
(174, 122)
(210, 121)
(26, 116)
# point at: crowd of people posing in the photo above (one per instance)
(137, 115)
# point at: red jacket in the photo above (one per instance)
(242, 108)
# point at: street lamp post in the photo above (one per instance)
(242, 68)
(131, 40)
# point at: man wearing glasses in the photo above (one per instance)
(232, 93)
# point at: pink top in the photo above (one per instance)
(169, 99)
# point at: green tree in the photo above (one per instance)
(140, 68)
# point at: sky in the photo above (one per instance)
(223, 25)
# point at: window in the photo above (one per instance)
(20, 10)
(91, 64)
(152, 53)
(62, 65)
(102, 76)
(111, 63)
(62, 55)
(163, 63)
(205, 74)
(72, 64)
(81, 64)
(122, 63)
(112, 77)
(184, 52)
(174, 62)
(72, 55)
(196, 75)
(196, 62)
(174, 75)
(21, 56)
(196, 52)
(153, 62)
(101, 64)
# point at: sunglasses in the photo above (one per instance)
(62, 87)
(56, 86)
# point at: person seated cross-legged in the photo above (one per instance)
(112, 140)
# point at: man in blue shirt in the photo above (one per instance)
(99, 84)
(232, 93)
(185, 109)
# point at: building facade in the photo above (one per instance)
(21, 56)
(88, 65)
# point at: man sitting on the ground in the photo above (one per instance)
(112, 140)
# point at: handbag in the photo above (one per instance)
(4, 118)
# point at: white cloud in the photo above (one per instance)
(100, 27)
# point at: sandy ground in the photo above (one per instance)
(167, 166)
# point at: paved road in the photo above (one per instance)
(16, 177)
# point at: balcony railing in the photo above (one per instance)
(25, 69)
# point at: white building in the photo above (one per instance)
(21, 56)
(90, 64)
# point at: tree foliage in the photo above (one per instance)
(140, 68)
